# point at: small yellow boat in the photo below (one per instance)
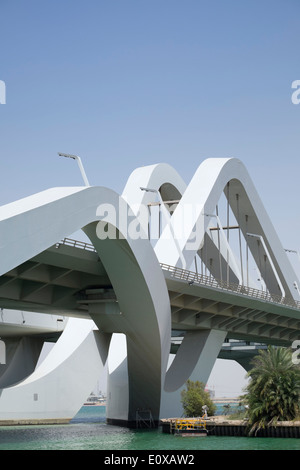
(187, 427)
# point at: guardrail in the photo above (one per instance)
(77, 244)
(201, 279)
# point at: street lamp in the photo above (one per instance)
(238, 271)
(75, 157)
(167, 218)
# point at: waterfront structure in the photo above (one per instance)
(160, 264)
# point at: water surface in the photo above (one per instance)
(89, 431)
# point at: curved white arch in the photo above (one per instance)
(158, 176)
(151, 178)
(31, 226)
(154, 177)
(203, 192)
(57, 389)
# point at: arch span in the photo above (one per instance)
(32, 225)
(203, 192)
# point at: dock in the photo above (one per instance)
(185, 427)
(221, 426)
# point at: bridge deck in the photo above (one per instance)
(57, 282)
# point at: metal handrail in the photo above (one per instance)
(77, 244)
(202, 279)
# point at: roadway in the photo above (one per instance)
(69, 277)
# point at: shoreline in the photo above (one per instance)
(223, 419)
(221, 425)
(225, 400)
(94, 404)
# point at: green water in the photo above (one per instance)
(88, 431)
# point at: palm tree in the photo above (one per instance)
(273, 393)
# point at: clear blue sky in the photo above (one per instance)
(126, 83)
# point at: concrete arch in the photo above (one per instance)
(135, 270)
(22, 355)
(196, 346)
(164, 179)
(132, 267)
(154, 177)
(193, 351)
(54, 392)
(204, 191)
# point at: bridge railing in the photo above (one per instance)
(77, 244)
(204, 280)
(195, 278)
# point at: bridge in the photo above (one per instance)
(60, 279)
(158, 264)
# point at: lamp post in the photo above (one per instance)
(167, 218)
(229, 250)
(75, 157)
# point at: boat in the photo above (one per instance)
(95, 400)
(188, 427)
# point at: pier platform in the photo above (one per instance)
(221, 426)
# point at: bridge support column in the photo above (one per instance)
(194, 360)
(143, 315)
(22, 355)
(245, 362)
(132, 384)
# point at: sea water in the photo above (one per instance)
(89, 431)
